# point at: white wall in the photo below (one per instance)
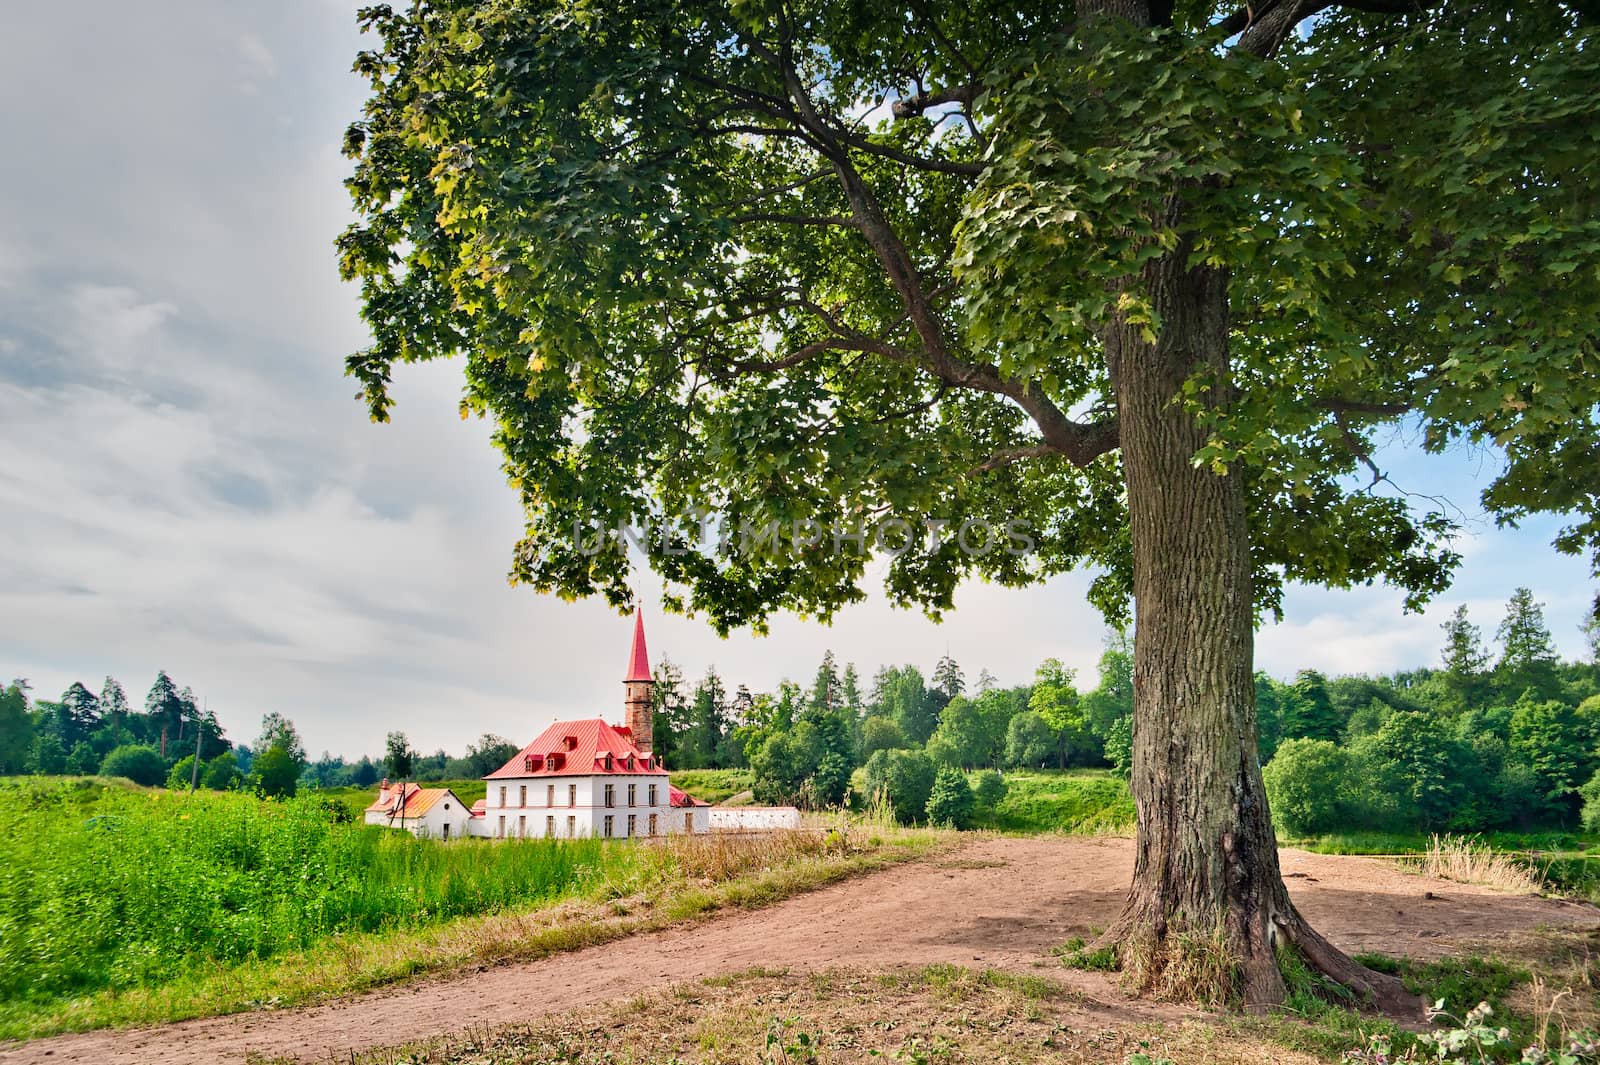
(579, 808)
(449, 811)
(753, 818)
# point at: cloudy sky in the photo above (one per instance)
(186, 482)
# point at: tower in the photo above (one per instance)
(637, 689)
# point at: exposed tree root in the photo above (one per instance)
(1238, 966)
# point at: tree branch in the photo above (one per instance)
(911, 106)
(1004, 458)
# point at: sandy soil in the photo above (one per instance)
(1000, 902)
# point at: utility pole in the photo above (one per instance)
(199, 734)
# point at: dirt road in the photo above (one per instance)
(998, 902)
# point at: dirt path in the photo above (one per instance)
(1001, 902)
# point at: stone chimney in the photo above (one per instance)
(637, 689)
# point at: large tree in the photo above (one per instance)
(1137, 281)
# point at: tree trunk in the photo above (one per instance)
(1207, 908)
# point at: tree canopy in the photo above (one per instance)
(819, 262)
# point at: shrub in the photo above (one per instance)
(905, 779)
(179, 776)
(142, 765)
(1306, 786)
(275, 773)
(950, 800)
(1590, 793)
(222, 772)
(990, 789)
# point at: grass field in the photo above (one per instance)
(713, 785)
(126, 905)
(1071, 800)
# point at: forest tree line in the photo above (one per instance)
(1503, 736)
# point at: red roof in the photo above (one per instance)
(418, 800)
(679, 797)
(579, 749)
(639, 660)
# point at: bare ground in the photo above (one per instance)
(996, 902)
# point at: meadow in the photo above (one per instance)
(1054, 800)
(120, 904)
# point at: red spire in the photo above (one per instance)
(639, 660)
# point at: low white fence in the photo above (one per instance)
(753, 818)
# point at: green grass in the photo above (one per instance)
(123, 905)
(1320, 1017)
(1363, 841)
(1072, 800)
(713, 785)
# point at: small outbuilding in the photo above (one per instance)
(427, 813)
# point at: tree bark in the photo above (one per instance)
(1208, 908)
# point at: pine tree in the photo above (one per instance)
(1527, 655)
(850, 692)
(709, 713)
(1591, 633)
(947, 677)
(825, 688)
(986, 681)
(163, 708)
(1464, 654)
(113, 707)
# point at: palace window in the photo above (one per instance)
(611, 797)
(608, 826)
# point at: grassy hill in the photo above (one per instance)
(1055, 800)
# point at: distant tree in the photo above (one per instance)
(904, 778)
(163, 711)
(490, 753)
(1591, 635)
(49, 758)
(114, 707)
(16, 730)
(1463, 653)
(986, 681)
(222, 772)
(1271, 701)
(181, 773)
(902, 695)
(1309, 713)
(850, 697)
(1119, 746)
(880, 733)
(1308, 786)
(136, 762)
(365, 774)
(669, 711)
(950, 800)
(960, 740)
(398, 758)
(1055, 699)
(275, 772)
(1030, 741)
(1112, 699)
(948, 678)
(83, 759)
(279, 731)
(1527, 653)
(1590, 794)
(702, 746)
(1414, 758)
(990, 788)
(825, 693)
(77, 715)
(327, 771)
(996, 707)
(1557, 746)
